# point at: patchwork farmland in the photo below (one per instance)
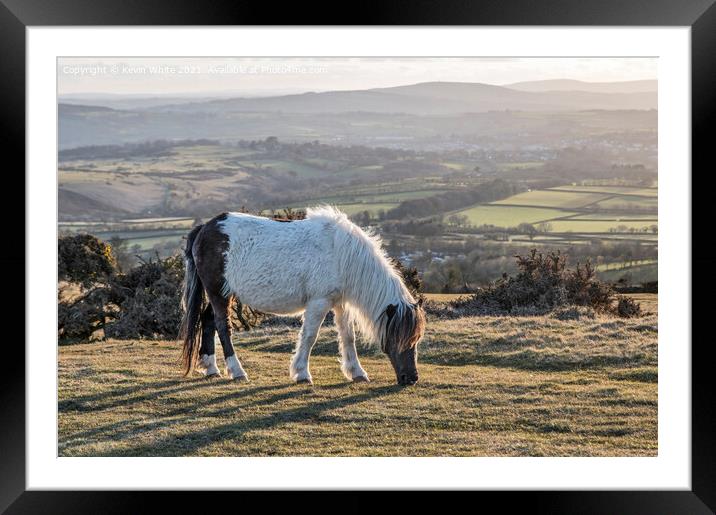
(137, 201)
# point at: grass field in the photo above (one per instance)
(509, 216)
(555, 199)
(616, 218)
(573, 209)
(598, 226)
(619, 190)
(489, 386)
(302, 170)
(520, 165)
(629, 202)
(351, 209)
(638, 274)
(377, 198)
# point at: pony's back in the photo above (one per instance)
(277, 267)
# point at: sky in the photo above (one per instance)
(271, 76)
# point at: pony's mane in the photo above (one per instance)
(371, 282)
(328, 213)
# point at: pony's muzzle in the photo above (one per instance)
(408, 379)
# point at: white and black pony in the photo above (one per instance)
(310, 266)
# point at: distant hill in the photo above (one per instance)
(80, 109)
(396, 115)
(632, 86)
(428, 98)
(76, 204)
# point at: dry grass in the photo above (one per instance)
(490, 386)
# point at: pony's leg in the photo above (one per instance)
(316, 311)
(350, 366)
(207, 354)
(220, 305)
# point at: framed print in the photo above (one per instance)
(443, 249)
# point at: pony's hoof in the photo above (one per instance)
(361, 379)
(240, 379)
(209, 375)
(306, 380)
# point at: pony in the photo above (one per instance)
(312, 266)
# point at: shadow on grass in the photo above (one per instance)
(287, 346)
(530, 360)
(125, 429)
(115, 398)
(190, 443)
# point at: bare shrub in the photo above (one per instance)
(628, 308)
(82, 316)
(544, 283)
(245, 317)
(148, 298)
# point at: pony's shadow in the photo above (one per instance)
(190, 443)
(125, 429)
(116, 398)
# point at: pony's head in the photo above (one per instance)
(404, 324)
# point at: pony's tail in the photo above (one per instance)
(192, 305)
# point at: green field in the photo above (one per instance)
(619, 190)
(570, 211)
(638, 274)
(503, 215)
(146, 244)
(302, 170)
(519, 165)
(137, 228)
(622, 266)
(351, 209)
(378, 198)
(616, 218)
(627, 201)
(598, 226)
(359, 170)
(456, 166)
(555, 199)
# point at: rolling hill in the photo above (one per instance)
(427, 98)
(631, 86)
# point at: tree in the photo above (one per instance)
(527, 229)
(271, 142)
(458, 220)
(544, 227)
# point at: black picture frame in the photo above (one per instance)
(16, 15)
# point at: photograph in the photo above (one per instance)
(358, 256)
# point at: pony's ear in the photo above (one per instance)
(390, 310)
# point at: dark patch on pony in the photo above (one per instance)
(204, 259)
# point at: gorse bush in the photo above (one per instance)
(148, 300)
(544, 283)
(84, 259)
(145, 302)
(410, 276)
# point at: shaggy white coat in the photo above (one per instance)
(325, 262)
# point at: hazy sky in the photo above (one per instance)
(267, 76)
